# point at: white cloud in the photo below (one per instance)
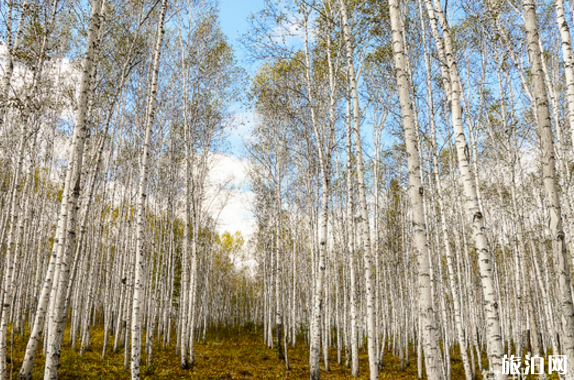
(235, 215)
(290, 33)
(60, 84)
(226, 180)
(243, 124)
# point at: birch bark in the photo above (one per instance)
(324, 150)
(430, 338)
(69, 199)
(7, 284)
(568, 58)
(451, 82)
(552, 200)
(350, 233)
(364, 219)
(139, 273)
(444, 228)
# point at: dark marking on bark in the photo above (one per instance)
(477, 216)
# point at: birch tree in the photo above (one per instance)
(139, 274)
(416, 191)
(364, 220)
(551, 196)
(68, 210)
(451, 83)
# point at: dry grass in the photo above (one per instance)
(226, 354)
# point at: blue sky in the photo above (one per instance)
(234, 16)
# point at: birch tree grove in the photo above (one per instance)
(324, 189)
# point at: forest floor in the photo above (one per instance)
(226, 354)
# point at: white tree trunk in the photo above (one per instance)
(324, 152)
(6, 291)
(364, 219)
(451, 80)
(139, 273)
(568, 60)
(561, 262)
(430, 338)
(67, 205)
